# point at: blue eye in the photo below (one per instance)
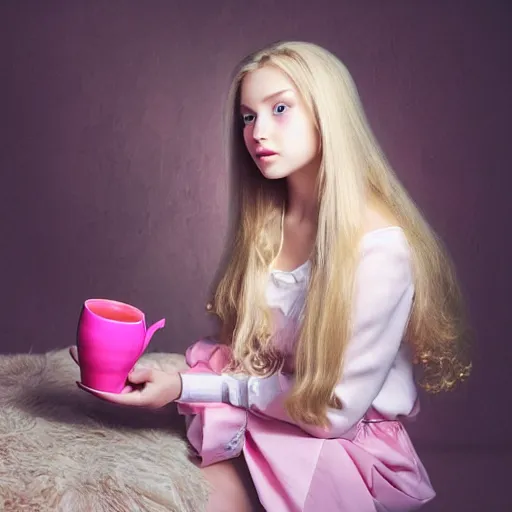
(280, 108)
(248, 118)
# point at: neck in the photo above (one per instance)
(302, 205)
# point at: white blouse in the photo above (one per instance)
(377, 370)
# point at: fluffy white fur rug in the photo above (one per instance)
(64, 450)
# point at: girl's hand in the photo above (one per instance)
(148, 387)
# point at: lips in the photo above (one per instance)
(261, 152)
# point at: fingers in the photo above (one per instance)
(140, 375)
(73, 352)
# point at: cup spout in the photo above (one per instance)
(150, 331)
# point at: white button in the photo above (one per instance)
(254, 386)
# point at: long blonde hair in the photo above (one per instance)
(352, 169)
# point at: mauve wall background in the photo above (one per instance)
(113, 181)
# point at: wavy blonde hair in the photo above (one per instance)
(352, 170)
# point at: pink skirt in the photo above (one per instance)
(376, 471)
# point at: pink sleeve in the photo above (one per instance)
(383, 301)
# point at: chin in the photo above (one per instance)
(270, 174)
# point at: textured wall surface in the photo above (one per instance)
(113, 178)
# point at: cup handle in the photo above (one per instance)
(150, 331)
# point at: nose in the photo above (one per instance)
(260, 128)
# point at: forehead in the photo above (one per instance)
(262, 83)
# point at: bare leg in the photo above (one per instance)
(232, 489)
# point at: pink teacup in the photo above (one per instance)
(111, 338)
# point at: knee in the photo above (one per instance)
(231, 487)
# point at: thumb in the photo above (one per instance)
(140, 375)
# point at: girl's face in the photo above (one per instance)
(279, 131)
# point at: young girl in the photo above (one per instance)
(334, 286)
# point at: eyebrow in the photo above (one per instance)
(269, 97)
